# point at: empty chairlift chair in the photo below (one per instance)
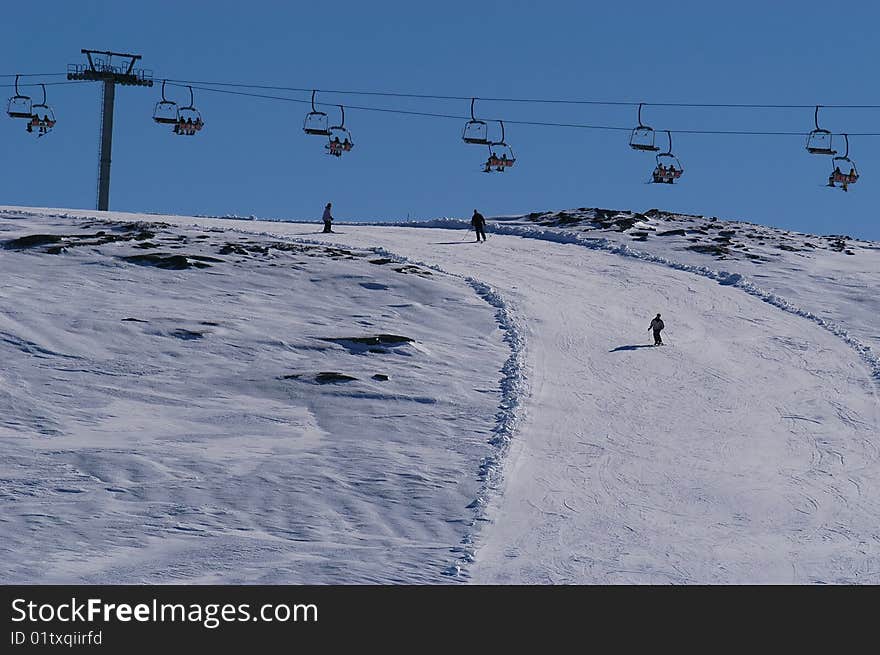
(642, 136)
(819, 140)
(19, 105)
(315, 122)
(475, 131)
(165, 111)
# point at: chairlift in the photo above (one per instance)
(189, 120)
(475, 131)
(501, 155)
(838, 176)
(165, 111)
(316, 121)
(642, 136)
(668, 168)
(42, 117)
(339, 138)
(19, 105)
(819, 140)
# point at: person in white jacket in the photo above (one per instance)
(327, 218)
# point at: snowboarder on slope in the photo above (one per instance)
(656, 327)
(327, 218)
(479, 223)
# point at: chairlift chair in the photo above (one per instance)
(819, 140)
(642, 136)
(165, 111)
(19, 105)
(843, 177)
(189, 120)
(668, 168)
(316, 121)
(42, 117)
(475, 131)
(501, 155)
(339, 138)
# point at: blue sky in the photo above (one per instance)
(253, 158)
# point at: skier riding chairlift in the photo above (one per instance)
(660, 173)
(843, 179)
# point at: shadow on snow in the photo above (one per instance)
(619, 348)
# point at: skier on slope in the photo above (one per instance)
(656, 327)
(327, 218)
(479, 224)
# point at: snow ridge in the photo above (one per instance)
(735, 280)
(506, 418)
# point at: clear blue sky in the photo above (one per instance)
(253, 158)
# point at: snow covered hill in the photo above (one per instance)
(193, 405)
(178, 406)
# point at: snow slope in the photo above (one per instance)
(832, 278)
(162, 422)
(744, 451)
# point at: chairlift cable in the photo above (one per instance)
(32, 74)
(408, 112)
(427, 96)
(628, 103)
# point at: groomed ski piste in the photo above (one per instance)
(225, 400)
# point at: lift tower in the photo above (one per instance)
(101, 68)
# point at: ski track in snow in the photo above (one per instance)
(735, 280)
(724, 278)
(552, 554)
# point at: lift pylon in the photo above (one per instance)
(102, 68)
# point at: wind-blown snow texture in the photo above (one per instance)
(200, 406)
(746, 451)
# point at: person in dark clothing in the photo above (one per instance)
(327, 218)
(479, 223)
(656, 327)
